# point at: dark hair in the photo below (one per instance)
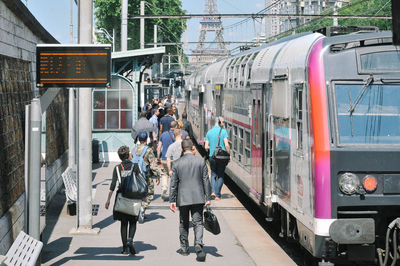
(184, 116)
(187, 144)
(123, 153)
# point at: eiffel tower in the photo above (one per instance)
(204, 54)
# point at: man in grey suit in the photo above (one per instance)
(190, 190)
(144, 125)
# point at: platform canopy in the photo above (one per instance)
(123, 61)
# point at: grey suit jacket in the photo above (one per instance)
(189, 183)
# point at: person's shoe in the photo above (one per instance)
(183, 252)
(141, 215)
(201, 256)
(217, 198)
(131, 247)
(213, 195)
(124, 250)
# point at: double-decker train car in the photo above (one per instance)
(314, 129)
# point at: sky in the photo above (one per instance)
(55, 17)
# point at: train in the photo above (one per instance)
(314, 130)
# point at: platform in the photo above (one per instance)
(241, 242)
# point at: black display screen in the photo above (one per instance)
(73, 66)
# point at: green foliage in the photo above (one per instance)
(108, 16)
(355, 7)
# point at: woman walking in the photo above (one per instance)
(123, 169)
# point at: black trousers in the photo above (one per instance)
(196, 212)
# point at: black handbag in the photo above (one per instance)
(211, 222)
(134, 186)
(220, 155)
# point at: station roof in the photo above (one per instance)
(121, 61)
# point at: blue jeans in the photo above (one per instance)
(217, 177)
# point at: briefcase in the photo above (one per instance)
(211, 222)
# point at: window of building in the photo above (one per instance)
(112, 107)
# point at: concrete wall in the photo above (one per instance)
(19, 34)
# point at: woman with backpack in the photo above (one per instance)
(122, 170)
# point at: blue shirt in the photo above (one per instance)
(212, 137)
(165, 122)
(167, 138)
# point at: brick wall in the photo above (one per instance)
(15, 93)
(19, 34)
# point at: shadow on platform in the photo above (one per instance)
(55, 248)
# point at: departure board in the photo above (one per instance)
(73, 65)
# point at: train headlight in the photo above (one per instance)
(369, 183)
(349, 183)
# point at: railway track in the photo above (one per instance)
(294, 250)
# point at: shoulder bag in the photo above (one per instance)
(126, 205)
(211, 222)
(220, 155)
(134, 186)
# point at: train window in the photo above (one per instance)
(229, 130)
(299, 114)
(376, 115)
(248, 158)
(241, 146)
(248, 143)
(235, 138)
(388, 61)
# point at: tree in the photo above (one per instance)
(108, 16)
(355, 7)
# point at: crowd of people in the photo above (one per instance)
(168, 146)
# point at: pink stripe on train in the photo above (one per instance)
(320, 131)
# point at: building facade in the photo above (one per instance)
(274, 26)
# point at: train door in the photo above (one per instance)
(201, 110)
(268, 147)
(257, 143)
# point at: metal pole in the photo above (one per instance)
(155, 36)
(113, 40)
(71, 29)
(335, 20)
(85, 129)
(124, 25)
(79, 20)
(27, 134)
(34, 171)
(169, 63)
(142, 25)
(71, 129)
